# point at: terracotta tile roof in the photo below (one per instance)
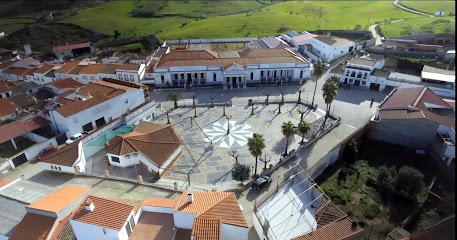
(100, 91)
(136, 203)
(72, 46)
(155, 141)
(4, 87)
(67, 83)
(250, 56)
(187, 55)
(339, 230)
(63, 230)
(4, 182)
(206, 229)
(76, 69)
(150, 67)
(327, 40)
(303, 37)
(33, 227)
(327, 213)
(340, 42)
(18, 128)
(401, 104)
(76, 107)
(67, 67)
(65, 156)
(221, 205)
(44, 69)
(64, 100)
(92, 69)
(128, 66)
(106, 213)
(8, 107)
(160, 202)
(5, 65)
(19, 71)
(60, 199)
(445, 229)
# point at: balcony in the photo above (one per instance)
(444, 145)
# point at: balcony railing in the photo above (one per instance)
(443, 143)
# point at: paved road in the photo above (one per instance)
(373, 31)
(397, 3)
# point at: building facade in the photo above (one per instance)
(188, 69)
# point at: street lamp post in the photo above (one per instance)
(228, 124)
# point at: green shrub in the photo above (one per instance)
(370, 211)
(409, 180)
(351, 151)
(342, 175)
(241, 172)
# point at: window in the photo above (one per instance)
(364, 82)
(85, 77)
(301, 74)
(131, 78)
(92, 77)
(126, 77)
(350, 80)
(195, 75)
(214, 77)
(341, 51)
(132, 222)
(252, 76)
(126, 101)
(182, 75)
(75, 120)
(120, 77)
(60, 169)
(115, 159)
(261, 73)
(202, 75)
(52, 167)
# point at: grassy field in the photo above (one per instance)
(431, 6)
(11, 25)
(184, 19)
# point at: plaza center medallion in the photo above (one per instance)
(228, 134)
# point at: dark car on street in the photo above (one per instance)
(46, 152)
(260, 183)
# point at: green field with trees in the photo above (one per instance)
(431, 6)
(213, 19)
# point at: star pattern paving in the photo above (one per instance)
(238, 136)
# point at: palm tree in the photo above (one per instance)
(256, 144)
(303, 128)
(174, 96)
(329, 91)
(288, 129)
(318, 70)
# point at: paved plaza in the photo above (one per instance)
(209, 143)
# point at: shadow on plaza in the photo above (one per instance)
(52, 179)
(358, 95)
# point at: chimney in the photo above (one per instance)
(190, 197)
(89, 206)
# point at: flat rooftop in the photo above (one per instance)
(11, 214)
(153, 225)
(290, 212)
(26, 191)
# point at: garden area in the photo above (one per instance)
(378, 184)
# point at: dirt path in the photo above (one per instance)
(397, 3)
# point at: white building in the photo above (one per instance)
(369, 72)
(151, 145)
(95, 104)
(320, 46)
(73, 50)
(206, 68)
(63, 85)
(43, 75)
(86, 72)
(104, 219)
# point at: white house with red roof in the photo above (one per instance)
(93, 105)
(73, 50)
(417, 118)
(319, 46)
(196, 215)
(188, 69)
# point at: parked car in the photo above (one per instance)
(46, 152)
(260, 183)
(74, 138)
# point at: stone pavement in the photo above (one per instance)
(211, 164)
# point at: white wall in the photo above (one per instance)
(231, 232)
(184, 220)
(166, 163)
(84, 231)
(258, 227)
